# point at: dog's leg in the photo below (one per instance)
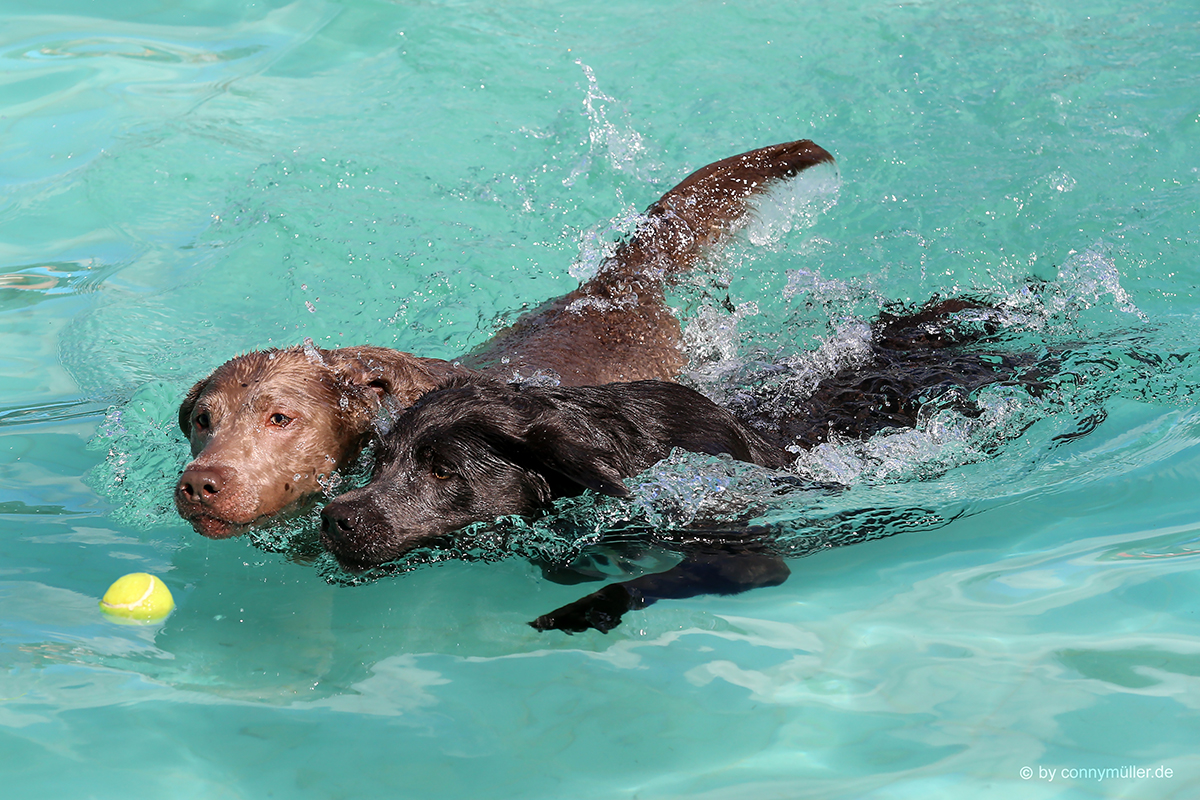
(700, 573)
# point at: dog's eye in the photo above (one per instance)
(441, 473)
(202, 420)
(280, 420)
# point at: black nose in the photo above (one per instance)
(336, 524)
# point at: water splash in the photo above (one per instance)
(598, 243)
(842, 489)
(792, 204)
(611, 137)
(1089, 277)
(943, 439)
(837, 297)
(144, 456)
(712, 340)
(312, 353)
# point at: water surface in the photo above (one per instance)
(182, 182)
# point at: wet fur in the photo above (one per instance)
(271, 429)
(472, 451)
(932, 357)
(249, 463)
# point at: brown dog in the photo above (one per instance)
(271, 429)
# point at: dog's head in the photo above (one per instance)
(269, 429)
(470, 452)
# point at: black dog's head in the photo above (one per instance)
(475, 451)
(467, 453)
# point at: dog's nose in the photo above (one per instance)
(201, 484)
(336, 524)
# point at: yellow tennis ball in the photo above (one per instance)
(138, 596)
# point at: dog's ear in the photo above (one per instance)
(388, 373)
(560, 456)
(188, 404)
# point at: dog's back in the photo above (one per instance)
(936, 354)
(614, 327)
(638, 424)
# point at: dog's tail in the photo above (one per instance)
(707, 207)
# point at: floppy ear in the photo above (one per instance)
(189, 403)
(388, 373)
(549, 452)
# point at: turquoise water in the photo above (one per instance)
(185, 181)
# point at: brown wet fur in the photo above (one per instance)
(281, 423)
(617, 327)
(271, 428)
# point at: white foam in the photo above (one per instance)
(712, 340)
(942, 440)
(850, 346)
(791, 204)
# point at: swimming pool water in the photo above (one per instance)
(185, 181)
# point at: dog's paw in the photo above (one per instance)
(601, 610)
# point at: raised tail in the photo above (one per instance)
(616, 326)
(708, 206)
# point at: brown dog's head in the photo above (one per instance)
(269, 429)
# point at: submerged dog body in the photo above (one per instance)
(270, 429)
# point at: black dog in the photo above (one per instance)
(475, 450)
